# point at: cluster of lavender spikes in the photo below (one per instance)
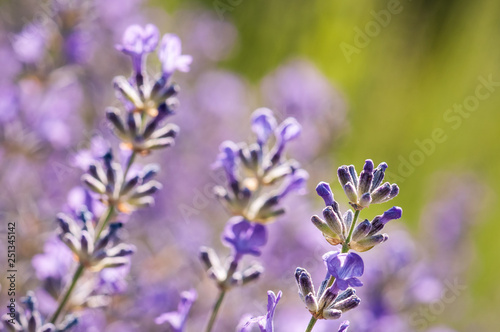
(140, 126)
(258, 177)
(336, 293)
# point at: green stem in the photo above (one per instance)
(76, 276)
(345, 246)
(311, 324)
(107, 218)
(345, 249)
(215, 310)
(223, 288)
(127, 168)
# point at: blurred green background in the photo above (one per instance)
(400, 81)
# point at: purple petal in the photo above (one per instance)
(288, 130)
(263, 124)
(393, 213)
(324, 191)
(294, 182)
(343, 327)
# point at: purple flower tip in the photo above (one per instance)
(227, 159)
(343, 327)
(368, 166)
(171, 57)
(294, 182)
(138, 40)
(383, 166)
(177, 319)
(324, 191)
(288, 130)
(265, 322)
(393, 213)
(345, 268)
(244, 237)
(263, 124)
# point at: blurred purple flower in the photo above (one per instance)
(263, 124)
(97, 149)
(227, 159)
(177, 319)
(55, 262)
(298, 88)
(265, 322)
(211, 37)
(345, 268)
(343, 327)
(244, 237)
(29, 44)
(8, 103)
(112, 280)
(286, 132)
(137, 42)
(295, 182)
(78, 47)
(171, 57)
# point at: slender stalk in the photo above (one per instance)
(215, 310)
(345, 249)
(222, 292)
(76, 276)
(127, 168)
(107, 217)
(312, 322)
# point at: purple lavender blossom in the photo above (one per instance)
(287, 131)
(30, 43)
(296, 182)
(227, 159)
(324, 191)
(171, 57)
(345, 268)
(55, 262)
(138, 42)
(265, 322)
(244, 237)
(368, 187)
(343, 327)
(112, 280)
(177, 319)
(85, 157)
(263, 124)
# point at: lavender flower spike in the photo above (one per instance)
(177, 319)
(171, 57)
(345, 268)
(367, 188)
(244, 237)
(327, 303)
(137, 42)
(265, 322)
